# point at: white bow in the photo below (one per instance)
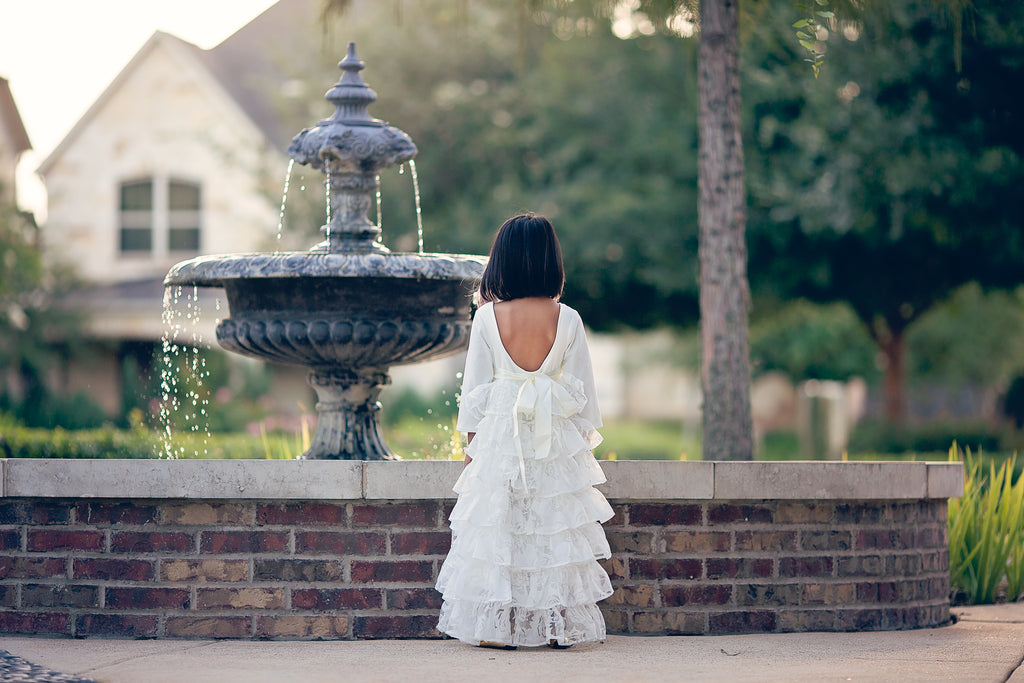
(541, 397)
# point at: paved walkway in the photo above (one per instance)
(987, 644)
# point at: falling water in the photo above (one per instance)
(327, 203)
(192, 406)
(284, 200)
(379, 224)
(416, 194)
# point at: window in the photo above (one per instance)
(137, 217)
(183, 217)
(160, 217)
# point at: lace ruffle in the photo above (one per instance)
(512, 625)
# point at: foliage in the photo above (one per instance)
(810, 341)
(986, 532)
(881, 436)
(890, 181)
(30, 327)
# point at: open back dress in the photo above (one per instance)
(526, 530)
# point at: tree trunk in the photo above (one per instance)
(895, 385)
(724, 293)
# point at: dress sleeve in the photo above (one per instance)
(478, 373)
(578, 364)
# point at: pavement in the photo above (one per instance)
(985, 644)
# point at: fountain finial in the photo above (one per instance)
(351, 147)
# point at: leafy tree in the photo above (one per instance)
(891, 180)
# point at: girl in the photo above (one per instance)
(526, 533)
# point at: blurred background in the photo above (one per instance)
(884, 223)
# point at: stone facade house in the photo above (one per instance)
(13, 143)
(181, 155)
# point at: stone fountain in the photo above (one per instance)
(348, 308)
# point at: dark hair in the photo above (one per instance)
(525, 260)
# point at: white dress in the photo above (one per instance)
(526, 533)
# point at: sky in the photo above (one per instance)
(59, 56)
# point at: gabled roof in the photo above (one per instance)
(11, 124)
(249, 66)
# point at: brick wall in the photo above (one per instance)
(178, 568)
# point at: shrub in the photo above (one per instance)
(986, 531)
(879, 436)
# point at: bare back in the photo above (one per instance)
(527, 328)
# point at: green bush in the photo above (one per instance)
(986, 531)
(879, 436)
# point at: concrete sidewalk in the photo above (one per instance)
(987, 644)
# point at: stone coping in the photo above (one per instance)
(433, 479)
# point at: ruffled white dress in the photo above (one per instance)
(526, 532)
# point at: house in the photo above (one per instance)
(181, 155)
(13, 143)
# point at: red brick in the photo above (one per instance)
(616, 621)
(32, 567)
(10, 539)
(412, 598)
(663, 514)
(302, 627)
(395, 627)
(240, 598)
(827, 539)
(9, 596)
(12, 623)
(665, 569)
(147, 598)
(396, 514)
(340, 542)
(59, 595)
(768, 594)
(800, 567)
(151, 542)
(860, 513)
(104, 513)
(862, 565)
(806, 620)
(697, 541)
(830, 594)
(402, 570)
(116, 625)
(859, 619)
(297, 570)
(122, 570)
(630, 541)
(48, 540)
(739, 568)
(421, 543)
(34, 512)
(804, 513)
(669, 623)
(302, 514)
(203, 571)
(904, 565)
(641, 595)
(322, 599)
(615, 567)
(619, 518)
(208, 627)
(680, 595)
(766, 540)
(877, 539)
(243, 541)
(750, 621)
(728, 513)
(206, 514)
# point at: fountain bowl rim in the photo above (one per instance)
(217, 269)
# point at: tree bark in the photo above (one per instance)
(724, 292)
(895, 383)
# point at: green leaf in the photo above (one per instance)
(801, 23)
(808, 45)
(803, 35)
(823, 3)
(827, 15)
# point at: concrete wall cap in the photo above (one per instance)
(433, 479)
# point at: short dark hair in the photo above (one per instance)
(525, 260)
